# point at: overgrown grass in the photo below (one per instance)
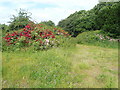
(74, 67)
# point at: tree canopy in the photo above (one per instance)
(19, 21)
(49, 23)
(104, 16)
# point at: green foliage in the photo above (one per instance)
(49, 23)
(88, 37)
(67, 42)
(104, 16)
(3, 29)
(96, 38)
(79, 22)
(107, 18)
(19, 21)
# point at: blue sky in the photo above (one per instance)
(43, 10)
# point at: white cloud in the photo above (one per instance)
(61, 10)
(47, 14)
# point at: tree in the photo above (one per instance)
(108, 18)
(49, 23)
(79, 22)
(3, 27)
(104, 16)
(19, 21)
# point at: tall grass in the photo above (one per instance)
(41, 69)
(79, 67)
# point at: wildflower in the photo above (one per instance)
(12, 34)
(16, 38)
(27, 27)
(47, 40)
(53, 36)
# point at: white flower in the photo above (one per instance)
(47, 40)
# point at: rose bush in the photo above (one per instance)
(38, 35)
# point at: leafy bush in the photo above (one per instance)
(37, 36)
(96, 38)
(88, 37)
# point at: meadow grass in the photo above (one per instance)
(82, 66)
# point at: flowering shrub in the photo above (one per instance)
(38, 35)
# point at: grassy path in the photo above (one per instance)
(82, 67)
(99, 65)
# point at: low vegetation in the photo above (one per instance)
(97, 38)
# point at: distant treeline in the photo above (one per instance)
(104, 16)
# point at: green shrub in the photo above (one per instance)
(96, 38)
(87, 37)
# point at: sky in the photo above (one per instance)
(43, 10)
